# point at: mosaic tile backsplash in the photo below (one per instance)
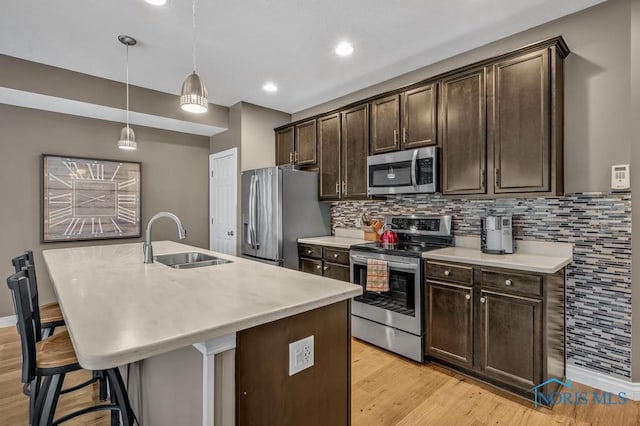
(598, 280)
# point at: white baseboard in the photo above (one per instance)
(8, 321)
(601, 381)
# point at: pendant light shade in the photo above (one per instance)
(127, 139)
(127, 136)
(193, 96)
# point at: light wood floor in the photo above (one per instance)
(386, 390)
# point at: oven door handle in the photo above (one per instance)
(414, 163)
(395, 265)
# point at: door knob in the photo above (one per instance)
(230, 233)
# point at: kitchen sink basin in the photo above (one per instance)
(189, 260)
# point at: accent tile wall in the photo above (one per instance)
(598, 280)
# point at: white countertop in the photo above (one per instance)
(532, 256)
(119, 310)
(344, 238)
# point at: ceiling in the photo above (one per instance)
(243, 44)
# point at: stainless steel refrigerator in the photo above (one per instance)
(280, 205)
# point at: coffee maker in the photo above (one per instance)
(497, 235)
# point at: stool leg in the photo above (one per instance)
(118, 390)
(34, 389)
(102, 382)
(49, 401)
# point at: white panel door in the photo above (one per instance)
(223, 201)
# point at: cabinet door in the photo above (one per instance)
(355, 147)
(385, 116)
(462, 133)
(311, 266)
(519, 123)
(329, 147)
(306, 143)
(284, 146)
(337, 272)
(419, 117)
(449, 322)
(511, 339)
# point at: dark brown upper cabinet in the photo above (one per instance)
(330, 163)
(519, 128)
(285, 146)
(355, 147)
(297, 145)
(385, 123)
(305, 154)
(462, 133)
(419, 117)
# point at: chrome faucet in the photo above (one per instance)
(147, 249)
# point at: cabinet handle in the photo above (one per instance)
(309, 251)
(497, 173)
(344, 187)
(483, 174)
(291, 158)
(404, 135)
(467, 296)
(337, 187)
(336, 255)
(508, 282)
(318, 266)
(295, 156)
(395, 137)
(482, 300)
(447, 272)
(325, 268)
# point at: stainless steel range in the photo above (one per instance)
(394, 319)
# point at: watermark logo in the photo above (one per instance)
(567, 395)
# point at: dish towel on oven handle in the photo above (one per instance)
(377, 275)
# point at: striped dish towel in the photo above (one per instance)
(377, 275)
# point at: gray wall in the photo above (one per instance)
(174, 178)
(635, 183)
(597, 129)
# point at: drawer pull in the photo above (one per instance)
(336, 255)
(309, 251)
(325, 268)
(467, 296)
(508, 282)
(318, 266)
(482, 300)
(447, 272)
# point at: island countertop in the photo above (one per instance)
(119, 310)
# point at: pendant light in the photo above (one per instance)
(127, 136)
(193, 96)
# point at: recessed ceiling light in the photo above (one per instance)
(270, 87)
(344, 49)
(157, 2)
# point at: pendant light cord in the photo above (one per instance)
(194, 35)
(127, 86)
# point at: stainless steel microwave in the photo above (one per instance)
(403, 172)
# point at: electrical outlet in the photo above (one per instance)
(300, 355)
(358, 223)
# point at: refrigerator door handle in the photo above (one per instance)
(251, 211)
(255, 212)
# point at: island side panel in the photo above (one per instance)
(319, 395)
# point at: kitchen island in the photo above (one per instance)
(119, 310)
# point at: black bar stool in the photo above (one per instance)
(47, 317)
(45, 364)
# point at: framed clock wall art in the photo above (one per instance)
(89, 199)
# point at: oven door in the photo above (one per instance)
(401, 307)
(403, 172)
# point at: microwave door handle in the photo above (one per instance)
(414, 163)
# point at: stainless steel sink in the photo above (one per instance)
(189, 260)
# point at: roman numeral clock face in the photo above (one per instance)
(90, 199)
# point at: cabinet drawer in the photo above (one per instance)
(310, 251)
(448, 272)
(311, 266)
(337, 272)
(511, 282)
(335, 255)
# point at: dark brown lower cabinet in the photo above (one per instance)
(337, 272)
(450, 322)
(265, 392)
(511, 339)
(330, 262)
(311, 266)
(505, 327)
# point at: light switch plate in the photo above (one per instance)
(300, 355)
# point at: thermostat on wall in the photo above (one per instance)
(620, 177)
